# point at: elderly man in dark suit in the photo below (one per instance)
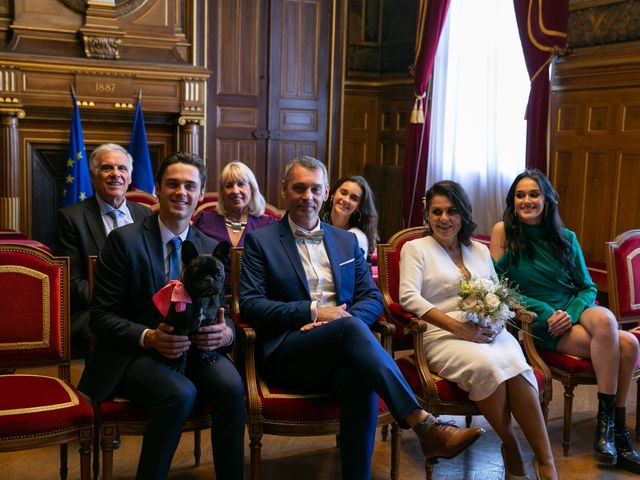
(83, 228)
(306, 288)
(133, 346)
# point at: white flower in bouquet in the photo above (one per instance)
(486, 302)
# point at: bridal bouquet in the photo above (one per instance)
(486, 302)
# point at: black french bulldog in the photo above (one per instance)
(203, 279)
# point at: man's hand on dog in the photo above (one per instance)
(212, 337)
(165, 343)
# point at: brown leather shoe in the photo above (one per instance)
(442, 440)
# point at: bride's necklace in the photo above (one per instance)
(236, 227)
(455, 255)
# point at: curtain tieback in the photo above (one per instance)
(417, 113)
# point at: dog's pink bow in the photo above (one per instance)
(172, 292)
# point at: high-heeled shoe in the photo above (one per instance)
(508, 475)
(536, 468)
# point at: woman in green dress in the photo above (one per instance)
(532, 248)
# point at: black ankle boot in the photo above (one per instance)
(604, 449)
(628, 457)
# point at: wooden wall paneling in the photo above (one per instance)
(238, 88)
(360, 139)
(394, 115)
(627, 213)
(299, 75)
(595, 142)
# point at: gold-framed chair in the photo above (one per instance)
(39, 410)
(623, 278)
(276, 410)
(119, 417)
(143, 198)
(273, 211)
(436, 394)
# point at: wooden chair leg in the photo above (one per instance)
(568, 410)
(96, 448)
(86, 439)
(467, 420)
(638, 409)
(255, 446)
(108, 434)
(197, 442)
(428, 467)
(385, 432)
(64, 471)
(396, 437)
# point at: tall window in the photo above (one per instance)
(480, 92)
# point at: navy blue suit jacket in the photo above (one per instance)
(274, 294)
(129, 271)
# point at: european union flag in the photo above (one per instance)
(142, 178)
(77, 184)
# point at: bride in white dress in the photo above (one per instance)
(486, 362)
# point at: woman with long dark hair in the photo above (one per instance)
(532, 248)
(351, 207)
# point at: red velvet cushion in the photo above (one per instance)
(123, 411)
(567, 363)
(447, 391)
(31, 308)
(539, 378)
(283, 405)
(627, 260)
(32, 405)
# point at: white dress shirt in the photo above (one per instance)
(317, 269)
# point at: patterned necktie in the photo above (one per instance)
(174, 258)
(115, 216)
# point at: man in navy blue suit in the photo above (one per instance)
(307, 290)
(133, 345)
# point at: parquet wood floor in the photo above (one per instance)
(316, 458)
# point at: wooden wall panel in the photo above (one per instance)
(595, 143)
(238, 119)
(300, 57)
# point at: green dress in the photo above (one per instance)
(548, 287)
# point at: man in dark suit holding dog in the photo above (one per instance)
(133, 345)
(307, 290)
(83, 228)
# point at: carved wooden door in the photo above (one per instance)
(269, 93)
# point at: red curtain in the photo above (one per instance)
(543, 33)
(431, 17)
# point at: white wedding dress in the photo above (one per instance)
(429, 279)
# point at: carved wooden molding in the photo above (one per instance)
(101, 47)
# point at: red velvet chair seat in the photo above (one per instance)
(282, 405)
(568, 363)
(34, 405)
(38, 410)
(446, 390)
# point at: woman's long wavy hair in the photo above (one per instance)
(517, 242)
(365, 217)
(458, 197)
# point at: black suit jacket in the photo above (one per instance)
(80, 234)
(129, 270)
